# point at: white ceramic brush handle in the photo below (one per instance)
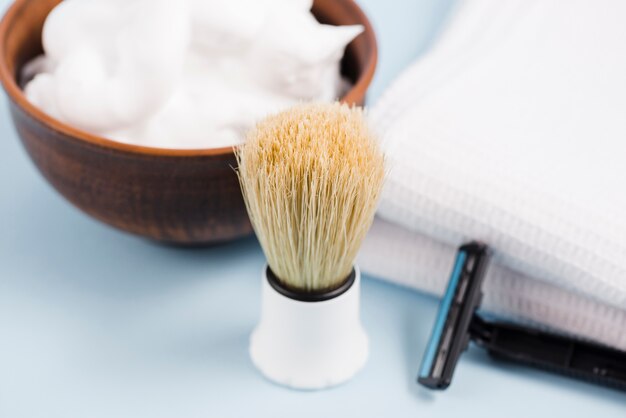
(309, 345)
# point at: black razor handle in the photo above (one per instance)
(560, 354)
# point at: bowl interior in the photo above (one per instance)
(23, 37)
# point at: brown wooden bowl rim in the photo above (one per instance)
(19, 98)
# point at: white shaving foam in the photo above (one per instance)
(183, 74)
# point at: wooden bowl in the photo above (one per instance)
(188, 197)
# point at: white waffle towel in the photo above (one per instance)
(512, 130)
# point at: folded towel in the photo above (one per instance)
(418, 261)
(511, 130)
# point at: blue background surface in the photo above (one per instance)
(96, 323)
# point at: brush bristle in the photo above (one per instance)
(311, 178)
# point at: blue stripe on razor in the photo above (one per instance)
(442, 314)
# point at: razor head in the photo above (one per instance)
(451, 333)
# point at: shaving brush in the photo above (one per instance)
(311, 178)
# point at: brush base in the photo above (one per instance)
(309, 345)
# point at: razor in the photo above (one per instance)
(457, 323)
